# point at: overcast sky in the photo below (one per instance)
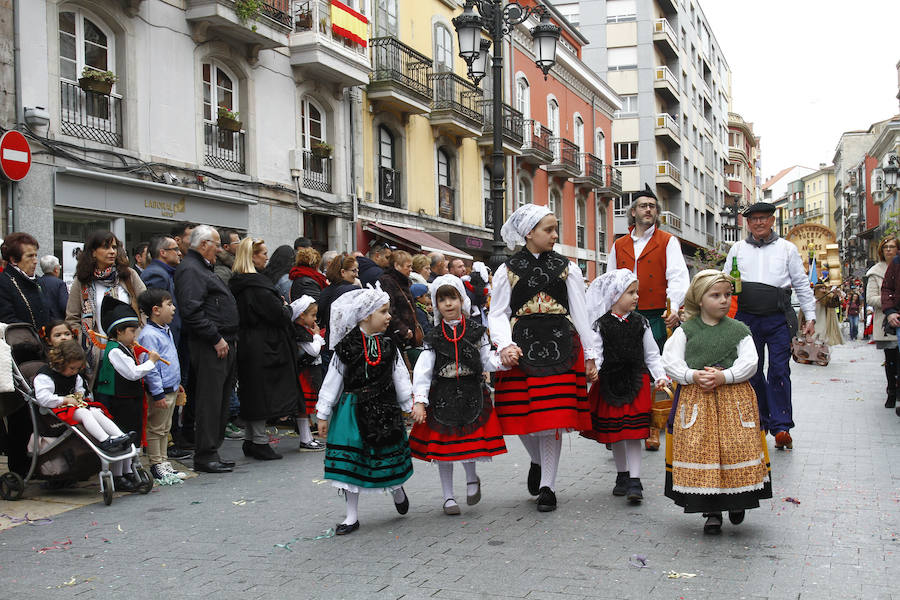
(805, 71)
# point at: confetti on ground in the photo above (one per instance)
(74, 581)
(676, 575)
(169, 479)
(638, 560)
(239, 502)
(197, 502)
(318, 481)
(119, 527)
(838, 380)
(56, 546)
(791, 500)
(328, 533)
(28, 520)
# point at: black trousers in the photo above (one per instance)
(214, 379)
(18, 432)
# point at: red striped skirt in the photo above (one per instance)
(615, 423)
(427, 444)
(66, 414)
(310, 382)
(526, 404)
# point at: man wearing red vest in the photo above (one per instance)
(655, 257)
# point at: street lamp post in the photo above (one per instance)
(498, 18)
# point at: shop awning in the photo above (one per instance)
(415, 238)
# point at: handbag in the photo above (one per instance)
(418, 335)
(808, 350)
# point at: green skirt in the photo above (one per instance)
(353, 465)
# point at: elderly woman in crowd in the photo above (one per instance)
(102, 270)
(421, 269)
(887, 250)
(305, 276)
(267, 365)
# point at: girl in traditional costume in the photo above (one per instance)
(309, 367)
(716, 455)
(365, 393)
(539, 322)
(459, 424)
(621, 399)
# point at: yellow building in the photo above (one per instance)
(817, 193)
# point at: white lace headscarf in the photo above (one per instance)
(299, 306)
(606, 291)
(701, 283)
(521, 222)
(460, 287)
(351, 308)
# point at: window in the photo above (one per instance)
(312, 124)
(626, 153)
(554, 203)
(579, 137)
(600, 146)
(621, 10)
(553, 116)
(580, 220)
(601, 228)
(622, 59)
(629, 105)
(523, 194)
(388, 192)
(386, 18)
(523, 97)
(486, 194)
(446, 201)
(83, 43)
(224, 146)
(621, 204)
(386, 147)
(219, 90)
(443, 49)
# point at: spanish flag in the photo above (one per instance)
(349, 24)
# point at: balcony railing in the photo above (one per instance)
(666, 121)
(662, 74)
(670, 221)
(513, 122)
(537, 138)
(316, 172)
(565, 154)
(315, 15)
(224, 149)
(394, 61)
(666, 169)
(612, 181)
(277, 10)
(730, 234)
(89, 115)
(453, 93)
(663, 26)
(710, 240)
(592, 170)
(816, 212)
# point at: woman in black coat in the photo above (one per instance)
(267, 359)
(306, 280)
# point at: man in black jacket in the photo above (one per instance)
(210, 321)
(374, 266)
(56, 294)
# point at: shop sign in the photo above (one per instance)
(811, 236)
(166, 208)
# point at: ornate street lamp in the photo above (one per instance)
(890, 169)
(497, 18)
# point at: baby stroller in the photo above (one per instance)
(59, 452)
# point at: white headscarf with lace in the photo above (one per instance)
(606, 291)
(521, 222)
(299, 306)
(456, 282)
(351, 308)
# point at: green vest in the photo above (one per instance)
(709, 345)
(110, 383)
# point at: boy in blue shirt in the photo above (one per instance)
(163, 382)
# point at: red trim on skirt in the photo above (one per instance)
(308, 391)
(615, 423)
(529, 404)
(66, 414)
(427, 444)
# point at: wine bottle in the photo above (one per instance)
(736, 275)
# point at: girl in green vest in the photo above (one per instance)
(716, 455)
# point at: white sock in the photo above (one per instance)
(445, 470)
(533, 446)
(550, 445)
(116, 468)
(352, 508)
(634, 451)
(105, 422)
(399, 495)
(90, 423)
(620, 455)
(303, 427)
(471, 478)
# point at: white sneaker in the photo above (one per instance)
(167, 467)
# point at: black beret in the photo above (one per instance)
(759, 207)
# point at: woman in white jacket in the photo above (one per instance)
(887, 250)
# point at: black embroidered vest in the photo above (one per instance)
(303, 336)
(62, 385)
(622, 372)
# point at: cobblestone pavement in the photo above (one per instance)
(251, 534)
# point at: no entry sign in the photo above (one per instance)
(15, 155)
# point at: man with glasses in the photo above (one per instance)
(165, 255)
(655, 258)
(373, 266)
(770, 266)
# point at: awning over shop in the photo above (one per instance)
(415, 238)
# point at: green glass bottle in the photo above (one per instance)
(736, 275)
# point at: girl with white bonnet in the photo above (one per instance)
(539, 322)
(364, 395)
(309, 367)
(454, 414)
(716, 455)
(621, 399)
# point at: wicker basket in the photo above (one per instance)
(659, 413)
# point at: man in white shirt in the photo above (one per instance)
(655, 257)
(770, 266)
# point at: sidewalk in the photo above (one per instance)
(251, 534)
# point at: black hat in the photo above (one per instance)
(114, 314)
(646, 192)
(759, 207)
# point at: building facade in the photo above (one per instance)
(742, 175)
(818, 199)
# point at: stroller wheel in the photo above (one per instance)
(12, 486)
(146, 483)
(108, 488)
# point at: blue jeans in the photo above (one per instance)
(854, 325)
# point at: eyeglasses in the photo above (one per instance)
(171, 248)
(759, 218)
(646, 205)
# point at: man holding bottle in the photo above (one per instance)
(769, 267)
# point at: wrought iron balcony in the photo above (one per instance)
(536, 146)
(513, 123)
(89, 115)
(224, 149)
(456, 108)
(565, 160)
(592, 173)
(612, 182)
(322, 51)
(269, 28)
(401, 76)
(316, 172)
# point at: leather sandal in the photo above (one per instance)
(476, 497)
(451, 509)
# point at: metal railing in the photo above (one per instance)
(394, 61)
(667, 169)
(513, 121)
(612, 179)
(316, 172)
(592, 167)
(565, 153)
(277, 10)
(670, 220)
(224, 149)
(90, 115)
(315, 15)
(710, 240)
(663, 26)
(730, 234)
(667, 121)
(537, 137)
(452, 92)
(662, 74)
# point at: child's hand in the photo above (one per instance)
(590, 370)
(718, 375)
(661, 384)
(316, 330)
(509, 356)
(69, 400)
(180, 389)
(418, 412)
(323, 428)
(705, 380)
(161, 403)
(153, 355)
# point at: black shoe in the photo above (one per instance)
(713, 523)
(227, 463)
(123, 440)
(891, 400)
(135, 438)
(178, 453)
(247, 447)
(534, 479)
(546, 501)
(621, 483)
(110, 446)
(736, 516)
(897, 411)
(344, 529)
(402, 507)
(212, 467)
(262, 452)
(123, 484)
(635, 493)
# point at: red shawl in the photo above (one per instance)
(308, 272)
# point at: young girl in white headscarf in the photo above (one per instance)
(716, 455)
(309, 366)
(539, 322)
(364, 394)
(459, 424)
(620, 400)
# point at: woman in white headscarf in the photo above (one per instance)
(364, 394)
(539, 322)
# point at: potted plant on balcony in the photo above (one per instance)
(228, 119)
(99, 82)
(321, 150)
